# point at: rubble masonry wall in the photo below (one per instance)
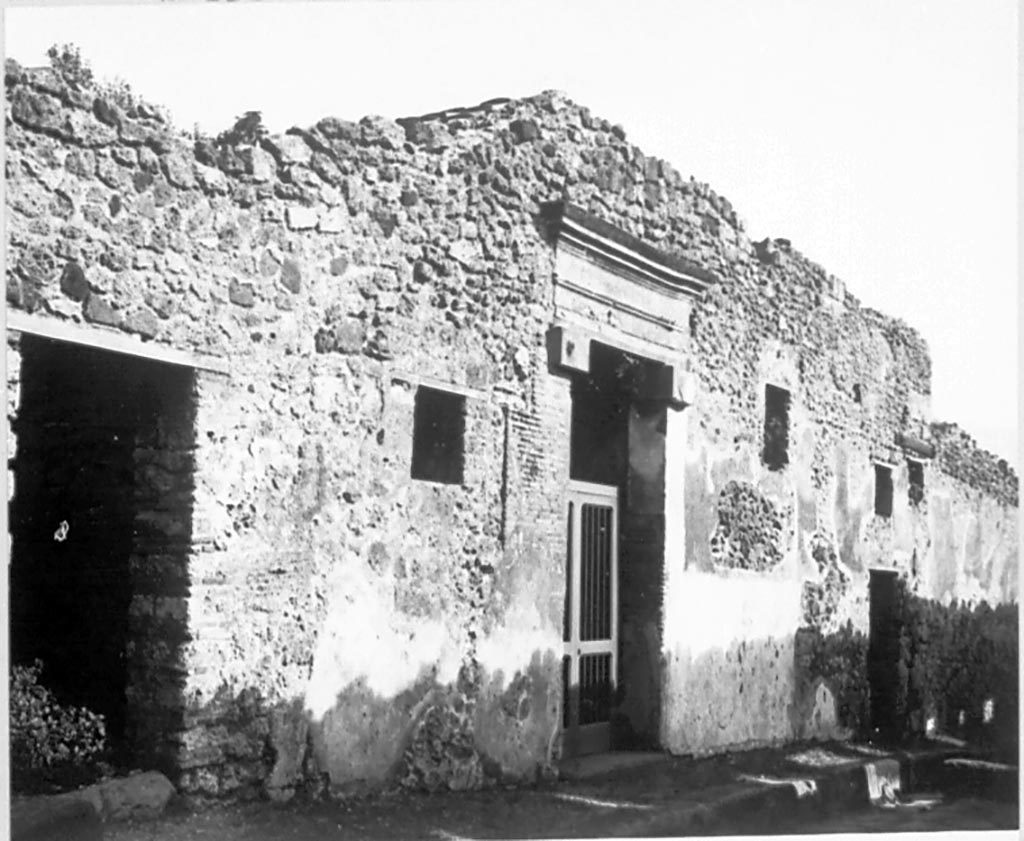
(347, 621)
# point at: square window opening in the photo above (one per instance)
(776, 428)
(915, 474)
(883, 490)
(438, 441)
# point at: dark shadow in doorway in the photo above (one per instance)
(101, 532)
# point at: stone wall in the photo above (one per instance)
(348, 621)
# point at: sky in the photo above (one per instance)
(879, 137)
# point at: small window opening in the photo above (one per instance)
(883, 490)
(915, 472)
(776, 428)
(858, 396)
(439, 426)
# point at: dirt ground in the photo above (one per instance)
(494, 814)
(618, 803)
(504, 814)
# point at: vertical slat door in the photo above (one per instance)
(590, 662)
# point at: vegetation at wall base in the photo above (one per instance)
(52, 746)
(955, 659)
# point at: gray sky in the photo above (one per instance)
(880, 137)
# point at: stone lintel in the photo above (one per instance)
(112, 340)
(569, 350)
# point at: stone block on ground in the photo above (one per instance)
(142, 796)
(62, 817)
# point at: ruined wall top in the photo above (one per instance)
(262, 226)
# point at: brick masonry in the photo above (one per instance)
(345, 623)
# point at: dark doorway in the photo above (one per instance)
(104, 451)
(884, 654)
(618, 439)
(600, 422)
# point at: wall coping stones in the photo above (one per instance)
(41, 102)
(958, 456)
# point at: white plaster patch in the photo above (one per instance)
(778, 364)
(705, 611)
(729, 649)
(511, 647)
(327, 392)
(364, 639)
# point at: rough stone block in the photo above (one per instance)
(38, 112)
(288, 149)
(291, 275)
(345, 336)
(524, 130)
(241, 294)
(144, 322)
(211, 179)
(258, 163)
(141, 796)
(73, 282)
(381, 131)
(99, 311)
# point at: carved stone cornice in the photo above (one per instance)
(624, 254)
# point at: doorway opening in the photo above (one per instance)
(617, 449)
(100, 526)
(883, 654)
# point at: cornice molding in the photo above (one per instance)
(624, 253)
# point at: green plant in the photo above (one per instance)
(66, 60)
(247, 130)
(120, 93)
(45, 734)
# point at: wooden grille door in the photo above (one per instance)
(591, 631)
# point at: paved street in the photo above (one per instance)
(484, 815)
(655, 800)
(524, 815)
(967, 814)
(808, 789)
